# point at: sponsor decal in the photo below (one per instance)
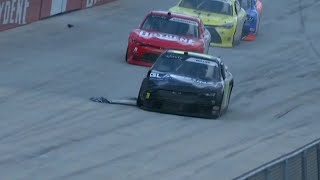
(193, 23)
(167, 37)
(158, 75)
(160, 16)
(173, 56)
(188, 79)
(155, 75)
(90, 3)
(202, 61)
(14, 12)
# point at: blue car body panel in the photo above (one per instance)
(251, 25)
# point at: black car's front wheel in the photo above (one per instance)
(222, 111)
(218, 111)
(139, 100)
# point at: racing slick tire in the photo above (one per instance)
(236, 41)
(139, 100)
(127, 54)
(216, 115)
(222, 111)
(258, 28)
(208, 45)
(227, 107)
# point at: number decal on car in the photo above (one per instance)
(156, 75)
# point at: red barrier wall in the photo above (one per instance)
(15, 13)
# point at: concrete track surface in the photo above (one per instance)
(49, 130)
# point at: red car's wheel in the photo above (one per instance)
(127, 54)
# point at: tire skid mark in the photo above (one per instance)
(269, 71)
(303, 26)
(82, 116)
(16, 92)
(212, 163)
(37, 86)
(56, 121)
(52, 125)
(68, 142)
(257, 142)
(23, 131)
(313, 73)
(54, 146)
(282, 114)
(139, 151)
(291, 12)
(36, 125)
(306, 96)
(221, 152)
(280, 54)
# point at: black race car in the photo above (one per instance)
(187, 83)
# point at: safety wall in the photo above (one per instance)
(302, 164)
(15, 13)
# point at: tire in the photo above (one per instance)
(127, 54)
(139, 101)
(236, 42)
(242, 33)
(226, 109)
(220, 112)
(258, 28)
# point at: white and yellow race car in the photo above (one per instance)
(223, 18)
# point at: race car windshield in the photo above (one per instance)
(245, 4)
(171, 25)
(192, 67)
(214, 6)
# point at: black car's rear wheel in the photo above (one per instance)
(221, 111)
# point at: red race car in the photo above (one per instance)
(160, 31)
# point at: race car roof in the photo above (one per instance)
(194, 54)
(168, 13)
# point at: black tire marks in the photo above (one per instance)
(303, 26)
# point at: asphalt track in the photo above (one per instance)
(50, 130)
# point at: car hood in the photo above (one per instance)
(166, 41)
(171, 81)
(208, 18)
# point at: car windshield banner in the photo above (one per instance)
(167, 37)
